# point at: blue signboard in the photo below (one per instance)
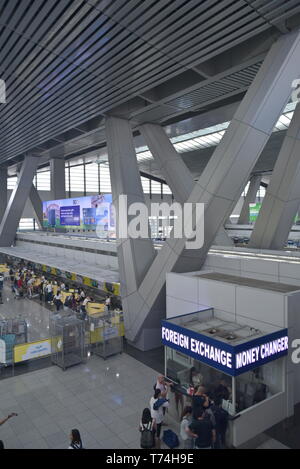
(230, 359)
(70, 216)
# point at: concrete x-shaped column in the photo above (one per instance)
(282, 198)
(219, 187)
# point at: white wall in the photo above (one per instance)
(277, 270)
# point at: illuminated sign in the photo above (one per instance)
(231, 359)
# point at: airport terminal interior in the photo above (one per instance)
(149, 224)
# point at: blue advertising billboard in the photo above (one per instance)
(81, 212)
(70, 216)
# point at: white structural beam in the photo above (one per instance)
(282, 198)
(226, 174)
(58, 178)
(249, 199)
(3, 191)
(172, 167)
(37, 206)
(16, 204)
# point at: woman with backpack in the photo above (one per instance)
(147, 429)
(75, 440)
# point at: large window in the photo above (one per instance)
(11, 182)
(92, 177)
(42, 180)
(77, 180)
(27, 224)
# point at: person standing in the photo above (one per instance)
(221, 418)
(49, 289)
(147, 429)
(57, 301)
(186, 420)
(202, 430)
(199, 400)
(157, 405)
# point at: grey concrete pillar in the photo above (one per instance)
(228, 170)
(37, 206)
(58, 178)
(171, 165)
(135, 255)
(168, 161)
(282, 198)
(3, 192)
(249, 199)
(17, 201)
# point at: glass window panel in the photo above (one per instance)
(77, 178)
(146, 185)
(26, 224)
(43, 181)
(155, 187)
(67, 179)
(166, 190)
(92, 179)
(105, 185)
(11, 182)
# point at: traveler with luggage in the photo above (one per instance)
(147, 429)
(157, 405)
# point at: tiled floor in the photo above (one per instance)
(103, 399)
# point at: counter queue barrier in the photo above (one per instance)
(102, 331)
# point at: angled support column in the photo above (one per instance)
(37, 206)
(58, 178)
(173, 168)
(16, 204)
(135, 255)
(3, 192)
(249, 199)
(228, 170)
(282, 198)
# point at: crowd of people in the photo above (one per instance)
(27, 283)
(203, 422)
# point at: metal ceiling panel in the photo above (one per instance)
(67, 61)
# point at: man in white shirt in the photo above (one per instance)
(158, 413)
